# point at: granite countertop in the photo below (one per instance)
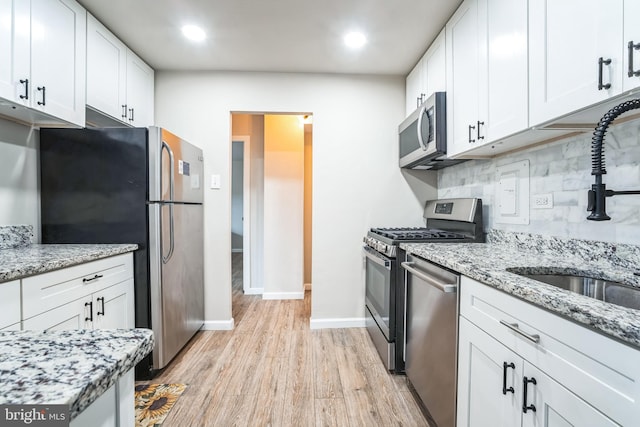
(70, 367)
(19, 262)
(488, 263)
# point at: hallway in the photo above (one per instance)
(272, 370)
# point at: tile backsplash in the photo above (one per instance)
(562, 168)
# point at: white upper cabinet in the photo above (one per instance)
(463, 77)
(487, 67)
(576, 57)
(43, 59)
(106, 70)
(503, 66)
(119, 84)
(140, 87)
(428, 76)
(631, 58)
(58, 61)
(413, 89)
(435, 66)
(14, 14)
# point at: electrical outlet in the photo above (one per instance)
(543, 201)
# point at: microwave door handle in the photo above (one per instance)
(419, 129)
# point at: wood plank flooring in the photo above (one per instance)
(273, 370)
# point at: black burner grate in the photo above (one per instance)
(416, 233)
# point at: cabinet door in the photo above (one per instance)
(106, 70)
(503, 73)
(73, 315)
(10, 303)
(481, 371)
(101, 413)
(58, 59)
(14, 49)
(566, 39)
(413, 88)
(462, 77)
(631, 35)
(435, 67)
(140, 86)
(113, 307)
(555, 406)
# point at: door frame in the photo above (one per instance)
(246, 214)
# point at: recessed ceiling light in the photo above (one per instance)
(194, 33)
(355, 39)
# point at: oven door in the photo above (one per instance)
(380, 290)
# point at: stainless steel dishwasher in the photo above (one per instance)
(431, 337)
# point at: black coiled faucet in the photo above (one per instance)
(598, 192)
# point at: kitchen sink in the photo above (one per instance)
(603, 290)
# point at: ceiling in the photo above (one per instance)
(277, 35)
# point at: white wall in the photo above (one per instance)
(356, 180)
(283, 207)
(563, 169)
(19, 182)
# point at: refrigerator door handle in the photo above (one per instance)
(165, 146)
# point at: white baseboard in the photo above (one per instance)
(348, 322)
(283, 295)
(307, 286)
(218, 325)
(254, 291)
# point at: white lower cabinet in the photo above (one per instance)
(95, 295)
(552, 405)
(109, 308)
(491, 389)
(519, 365)
(482, 401)
(114, 408)
(9, 310)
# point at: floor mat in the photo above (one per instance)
(154, 401)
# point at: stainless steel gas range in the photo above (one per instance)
(447, 220)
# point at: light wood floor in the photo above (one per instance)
(273, 370)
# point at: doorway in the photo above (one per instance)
(240, 209)
(271, 170)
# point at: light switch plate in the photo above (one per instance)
(512, 193)
(215, 182)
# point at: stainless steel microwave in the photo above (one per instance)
(423, 136)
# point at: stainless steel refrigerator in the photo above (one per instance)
(134, 185)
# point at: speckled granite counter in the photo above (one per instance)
(36, 259)
(67, 367)
(488, 263)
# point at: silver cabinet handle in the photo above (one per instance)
(444, 287)
(372, 255)
(514, 327)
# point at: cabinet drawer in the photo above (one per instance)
(604, 372)
(49, 290)
(9, 303)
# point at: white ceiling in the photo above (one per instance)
(277, 35)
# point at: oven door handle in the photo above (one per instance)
(373, 256)
(444, 287)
